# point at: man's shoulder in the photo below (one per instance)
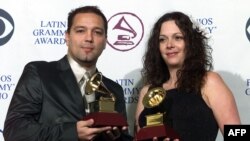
(41, 64)
(110, 82)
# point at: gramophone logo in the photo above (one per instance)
(6, 27)
(125, 31)
(248, 29)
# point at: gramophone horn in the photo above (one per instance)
(154, 97)
(95, 84)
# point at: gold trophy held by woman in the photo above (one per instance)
(155, 125)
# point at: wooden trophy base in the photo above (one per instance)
(159, 131)
(107, 119)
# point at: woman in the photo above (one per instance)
(179, 60)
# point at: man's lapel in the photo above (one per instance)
(66, 75)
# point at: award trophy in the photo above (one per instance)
(155, 126)
(102, 110)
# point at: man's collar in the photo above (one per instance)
(79, 70)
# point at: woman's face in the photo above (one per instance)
(172, 44)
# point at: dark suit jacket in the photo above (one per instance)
(47, 103)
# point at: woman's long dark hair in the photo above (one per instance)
(198, 55)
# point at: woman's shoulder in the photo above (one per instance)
(214, 87)
(212, 77)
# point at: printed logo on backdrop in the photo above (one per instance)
(50, 32)
(248, 29)
(207, 24)
(6, 87)
(247, 91)
(131, 91)
(125, 31)
(6, 27)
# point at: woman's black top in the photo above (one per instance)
(187, 114)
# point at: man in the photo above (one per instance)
(47, 104)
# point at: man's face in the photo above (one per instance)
(86, 39)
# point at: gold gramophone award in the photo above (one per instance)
(155, 126)
(102, 110)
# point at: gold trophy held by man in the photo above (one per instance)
(102, 110)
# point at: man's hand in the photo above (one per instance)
(115, 133)
(166, 139)
(88, 133)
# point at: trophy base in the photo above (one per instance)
(159, 131)
(107, 119)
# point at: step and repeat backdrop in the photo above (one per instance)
(34, 30)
